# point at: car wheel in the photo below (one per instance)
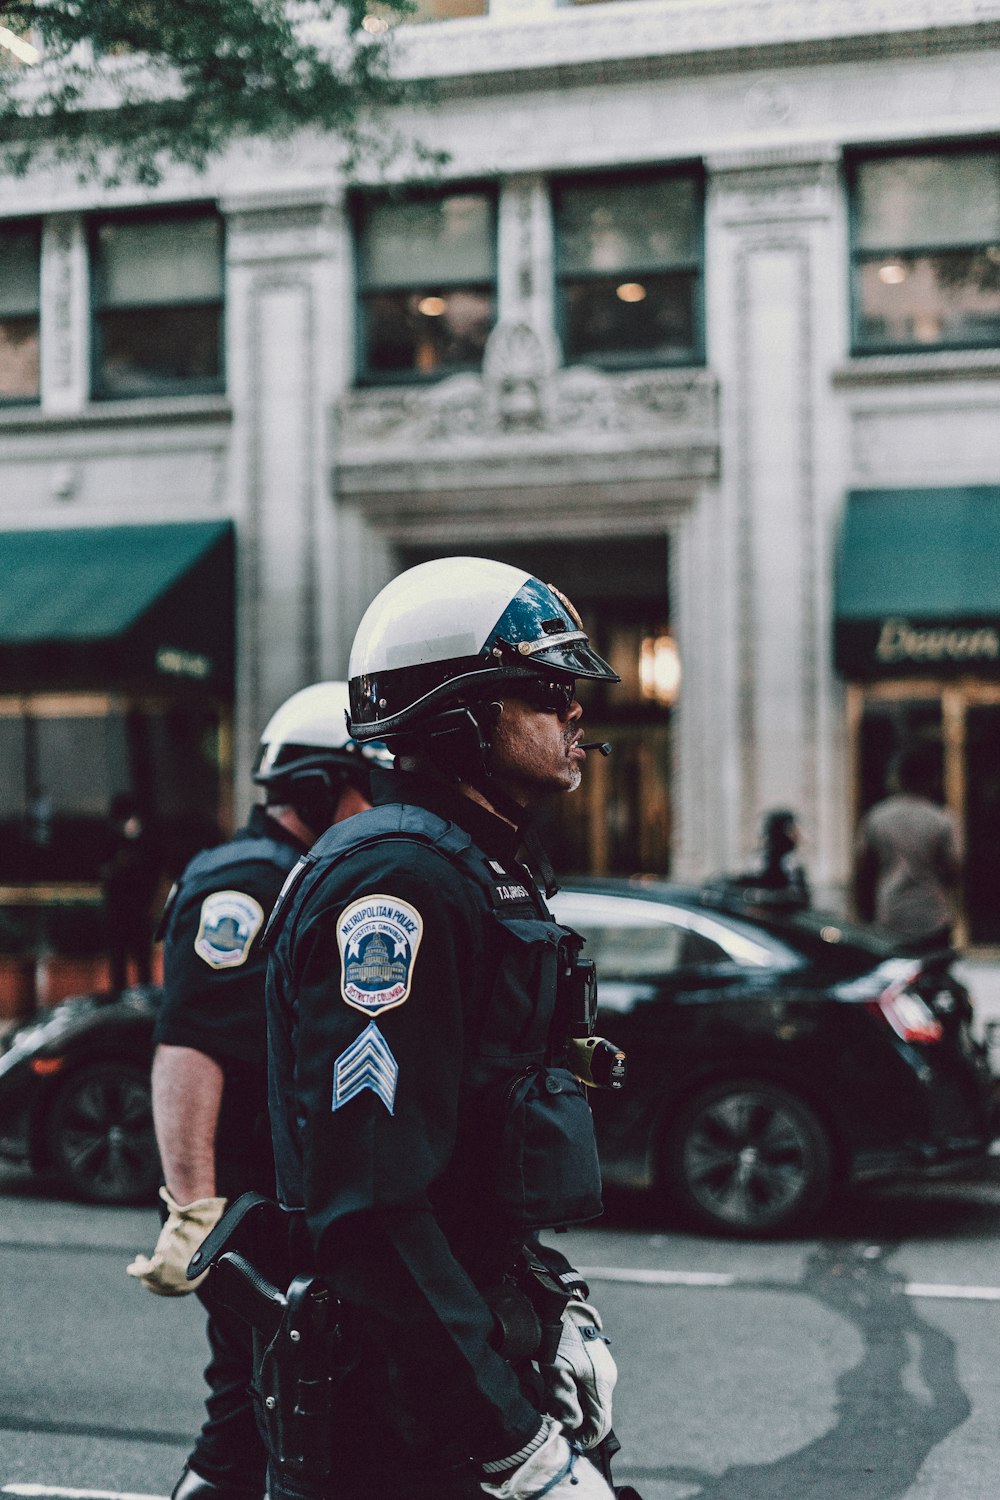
(748, 1158)
(100, 1135)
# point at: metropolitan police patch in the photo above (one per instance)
(230, 920)
(378, 937)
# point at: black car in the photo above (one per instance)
(74, 1096)
(772, 1055)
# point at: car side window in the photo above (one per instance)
(640, 941)
(637, 953)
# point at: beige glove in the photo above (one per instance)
(579, 1385)
(556, 1470)
(186, 1227)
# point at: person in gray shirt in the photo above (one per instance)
(906, 859)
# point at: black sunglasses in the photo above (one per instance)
(548, 695)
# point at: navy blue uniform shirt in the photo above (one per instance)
(377, 989)
(213, 985)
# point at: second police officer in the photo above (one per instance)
(209, 1065)
(426, 1117)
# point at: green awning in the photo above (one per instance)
(918, 582)
(108, 604)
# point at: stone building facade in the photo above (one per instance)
(710, 499)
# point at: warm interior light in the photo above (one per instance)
(631, 291)
(375, 25)
(660, 669)
(892, 272)
(22, 50)
(432, 307)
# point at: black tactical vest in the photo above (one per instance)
(527, 1112)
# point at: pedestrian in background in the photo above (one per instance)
(209, 1067)
(906, 858)
(781, 873)
(130, 876)
(779, 879)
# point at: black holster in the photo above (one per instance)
(298, 1356)
(295, 1374)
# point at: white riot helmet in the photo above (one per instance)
(307, 754)
(447, 634)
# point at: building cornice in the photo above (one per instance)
(667, 35)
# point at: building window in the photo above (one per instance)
(20, 261)
(380, 19)
(926, 250)
(629, 269)
(158, 304)
(427, 283)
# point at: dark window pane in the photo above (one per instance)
(162, 261)
(652, 319)
(921, 202)
(426, 332)
(19, 359)
(614, 226)
(947, 298)
(152, 351)
(20, 255)
(444, 240)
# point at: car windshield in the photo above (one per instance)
(637, 939)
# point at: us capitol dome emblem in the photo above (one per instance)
(378, 938)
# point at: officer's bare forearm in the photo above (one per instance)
(187, 1094)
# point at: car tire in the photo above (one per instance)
(99, 1134)
(748, 1158)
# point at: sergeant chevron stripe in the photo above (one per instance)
(367, 1064)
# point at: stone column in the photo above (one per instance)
(285, 328)
(65, 353)
(525, 255)
(777, 326)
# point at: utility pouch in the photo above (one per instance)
(549, 1172)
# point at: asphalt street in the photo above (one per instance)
(857, 1365)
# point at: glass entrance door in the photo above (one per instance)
(957, 727)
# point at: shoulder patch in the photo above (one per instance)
(229, 922)
(378, 938)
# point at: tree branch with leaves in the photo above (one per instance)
(121, 89)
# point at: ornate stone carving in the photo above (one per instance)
(523, 396)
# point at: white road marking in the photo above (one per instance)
(943, 1290)
(657, 1278)
(60, 1492)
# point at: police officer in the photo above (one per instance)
(209, 1066)
(426, 1116)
